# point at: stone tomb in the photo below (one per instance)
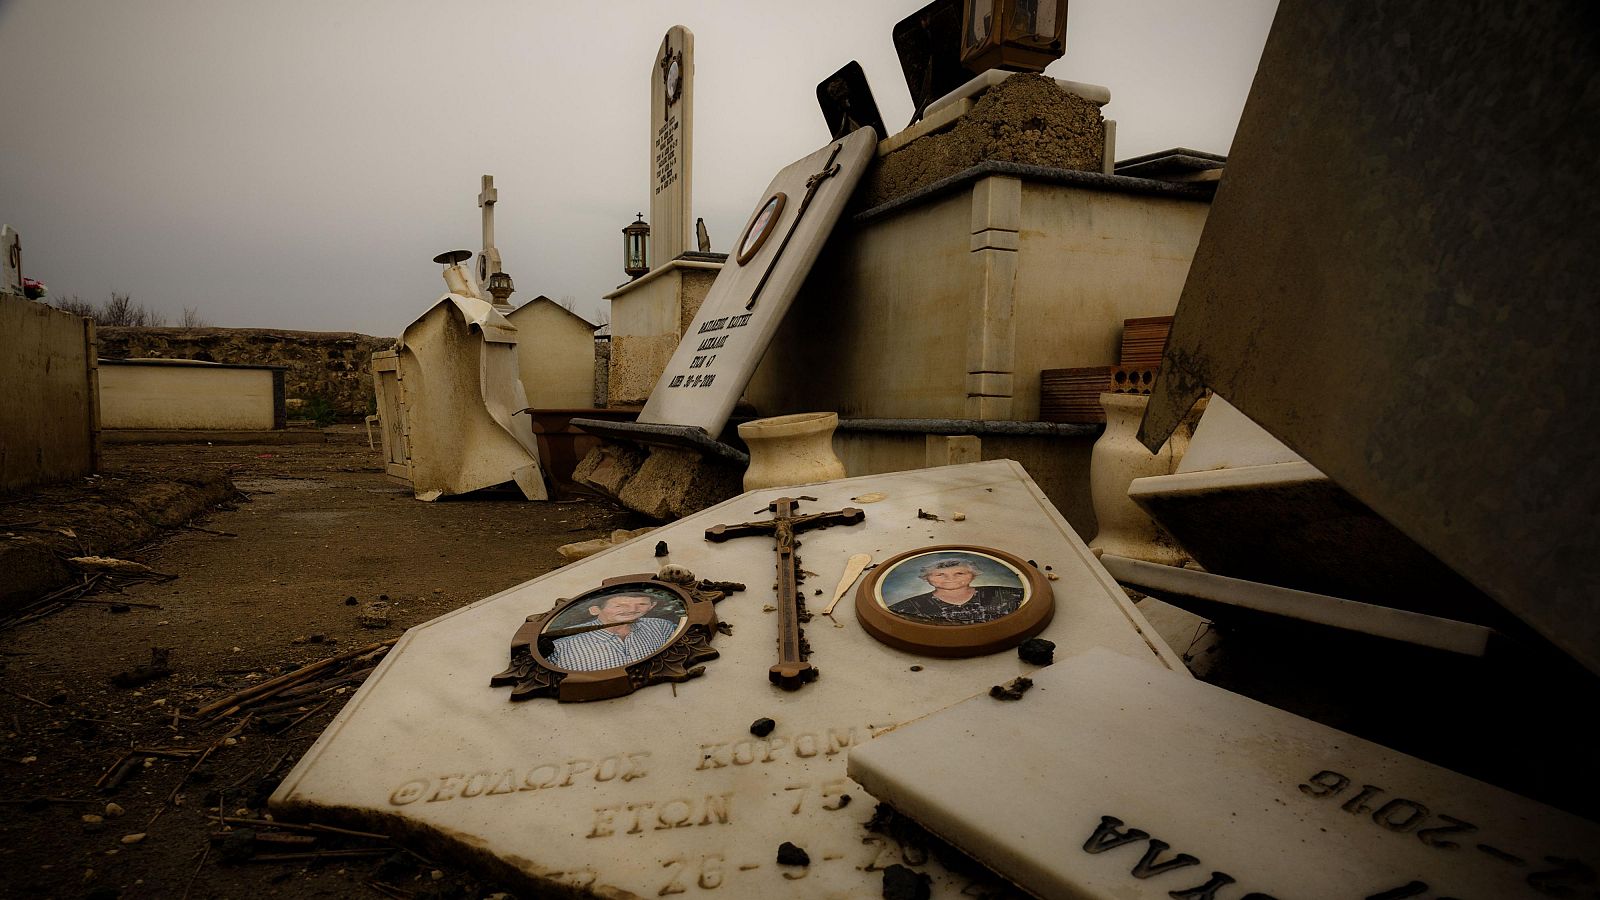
(1112, 779)
(666, 791)
(730, 333)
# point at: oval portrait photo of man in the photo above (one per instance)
(612, 627)
(952, 587)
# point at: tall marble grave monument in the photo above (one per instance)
(648, 313)
(769, 260)
(671, 143)
(669, 789)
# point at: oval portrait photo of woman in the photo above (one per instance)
(952, 587)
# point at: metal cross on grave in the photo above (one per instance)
(792, 669)
(829, 169)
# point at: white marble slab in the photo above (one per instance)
(666, 791)
(1228, 439)
(1262, 804)
(721, 348)
(1219, 594)
(671, 146)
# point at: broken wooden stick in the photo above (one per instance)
(273, 685)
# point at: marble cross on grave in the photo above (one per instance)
(489, 258)
(792, 670)
(829, 169)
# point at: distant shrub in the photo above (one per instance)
(321, 411)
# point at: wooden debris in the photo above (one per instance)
(106, 565)
(258, 692)
(311, 827)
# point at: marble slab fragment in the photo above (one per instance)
(723, 344)
(1110, 779)
(666, 790)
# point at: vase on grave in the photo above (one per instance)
(793, 449)
(1116, 460)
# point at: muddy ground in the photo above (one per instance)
(316, 525)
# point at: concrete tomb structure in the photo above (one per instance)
(555, 355)
(650, 314)
(679, 788)
(449, 395)
(187, 399)
(1395, 288)
(1115, 779)
(1019, 230)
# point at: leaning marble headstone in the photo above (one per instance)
(1112, 779)
(770, 258)
(667, 790)
(671, 145)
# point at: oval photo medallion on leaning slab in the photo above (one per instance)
(954, 600)
(760, 227)
(629, 632)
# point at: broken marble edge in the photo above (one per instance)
(1002, 859)
(1158, 647)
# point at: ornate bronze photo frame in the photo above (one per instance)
(761, 227)
(954, 600)
(671, 73)
(629, 632)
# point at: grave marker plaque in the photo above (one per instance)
(671, 140)
(729, 334)
(1112, 779)
(666, 790)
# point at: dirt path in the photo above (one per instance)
(323, 526)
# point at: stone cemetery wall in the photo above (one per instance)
(332, 365)
(47, 414)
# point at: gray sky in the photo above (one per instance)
(297, 164)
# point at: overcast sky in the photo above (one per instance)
(296, 164)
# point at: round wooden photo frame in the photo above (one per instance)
(761, 226)
(899, 602)
(562, 653)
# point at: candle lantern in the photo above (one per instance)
(636, 248)
(1018, 35)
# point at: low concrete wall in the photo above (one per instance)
(170, 394)
(329, 364)
(47, 405)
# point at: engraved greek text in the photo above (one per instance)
(651, 815)
(497, 782)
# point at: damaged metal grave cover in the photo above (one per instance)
(630, 632)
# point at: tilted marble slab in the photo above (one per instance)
(666, 791)
(1111, 779)
(723, 344)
